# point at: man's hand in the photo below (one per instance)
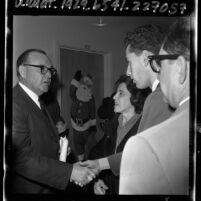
(92, 165)
(100, 187)
(81, 175)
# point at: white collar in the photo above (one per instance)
(183, 101)
(31, 94)
(154, 85)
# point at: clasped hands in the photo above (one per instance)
(84, 172)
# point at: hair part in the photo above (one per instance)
(147, 37)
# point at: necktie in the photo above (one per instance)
(63, 140)
(42, 106)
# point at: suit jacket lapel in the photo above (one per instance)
(34, 107)
(51, 122)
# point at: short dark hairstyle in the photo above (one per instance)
(147, 37)
(177, 40)
(24, 56)
(138, 96)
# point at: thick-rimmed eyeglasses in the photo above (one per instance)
(155, 60)
(44, 69)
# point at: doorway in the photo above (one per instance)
(95, 63)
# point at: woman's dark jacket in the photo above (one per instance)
(106, 146)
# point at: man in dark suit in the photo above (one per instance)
(35, 141)
(156, 161)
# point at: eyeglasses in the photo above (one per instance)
(44, 69)
(155, 60)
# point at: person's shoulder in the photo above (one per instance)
(19, 102)
(155, 97)
(115, 118)
(143, 139)
(159, 130)
(112, 122)
(136, 140)
(17, 91)
(16, 88)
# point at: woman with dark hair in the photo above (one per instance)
(128, 104)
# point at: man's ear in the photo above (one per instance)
(145, 55)
(22, 71)
(183, 69)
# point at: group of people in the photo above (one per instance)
(145, 147)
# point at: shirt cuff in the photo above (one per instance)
(104, 164)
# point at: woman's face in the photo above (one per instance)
(122, 99)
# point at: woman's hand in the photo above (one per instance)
(100, 187)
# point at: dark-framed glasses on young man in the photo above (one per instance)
(155, 60)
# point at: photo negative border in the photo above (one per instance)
(98, 8)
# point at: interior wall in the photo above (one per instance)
(78, 32)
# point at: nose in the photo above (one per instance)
(128, 72)
(115, 96)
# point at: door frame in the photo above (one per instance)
(107, 65)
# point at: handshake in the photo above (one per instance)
(84, 172)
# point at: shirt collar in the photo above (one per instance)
(130, 121)
(31, 94)
(183, 101)
(154, 85)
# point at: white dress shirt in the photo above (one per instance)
(154, 85)
(31, 94)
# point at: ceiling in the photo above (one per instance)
(115, 21)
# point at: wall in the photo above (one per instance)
(77, 31)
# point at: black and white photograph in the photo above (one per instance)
(101, 99)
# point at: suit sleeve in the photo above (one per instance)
(141, 171)
(28, 162)
(114, 161)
